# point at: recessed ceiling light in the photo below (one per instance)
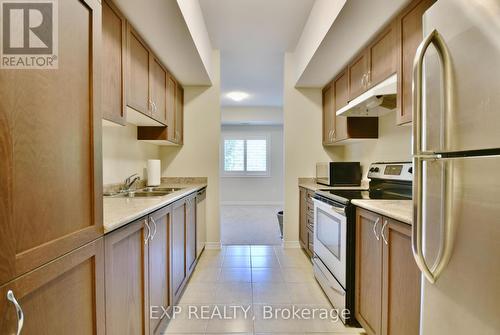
(237, 96)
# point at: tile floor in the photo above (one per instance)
(255, 278)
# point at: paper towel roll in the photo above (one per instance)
(154, 172)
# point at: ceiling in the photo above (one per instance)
(252, 36)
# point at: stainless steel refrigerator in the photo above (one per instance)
(456, 156)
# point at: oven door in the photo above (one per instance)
(330, 238)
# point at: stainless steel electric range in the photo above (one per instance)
(334, 230)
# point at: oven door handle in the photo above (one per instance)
(340, 210)
(336, 209)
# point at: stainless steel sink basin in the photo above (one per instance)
(162, 189)
(144, 193)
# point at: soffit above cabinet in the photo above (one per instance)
(357, 22)
(176, 33)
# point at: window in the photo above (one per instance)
(245, 155)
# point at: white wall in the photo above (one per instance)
(256, 190)
(123, 155)
(393, 144)
(321, 18)
(199, 156)
(195, 22)
(302, 112)
(252, 115)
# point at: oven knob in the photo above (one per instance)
(376, 169)
(410, 170)
(372, 169)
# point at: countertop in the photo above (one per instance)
(400, 210)
(121, 211)
(310, 184)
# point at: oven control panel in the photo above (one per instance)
(393, 171)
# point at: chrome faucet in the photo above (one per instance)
(129, 182)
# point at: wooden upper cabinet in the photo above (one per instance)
(179, 115)
(328, 115)
(341, 98)
(65, 296)
(357, 75)
(158, 86)
(159, 267)
(50, 135)
(409, 28)
(401, 282)
(171, 107)
(138, 92)
(382, 56)
(114, 40)
(178, 249)
(127, 305)
(368, 287)
(190, 234)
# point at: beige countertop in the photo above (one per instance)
(400, 210)
(310, 184)
(120, 211)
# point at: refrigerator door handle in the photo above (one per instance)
(419, 156)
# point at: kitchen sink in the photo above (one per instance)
(144, 193)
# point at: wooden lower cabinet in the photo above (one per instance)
(127, 305)
(387, 290)
(159, 269)
(401, 282)
(190, 234)
(65, 296)
(306, 221)
(178, 249)
(368, 272)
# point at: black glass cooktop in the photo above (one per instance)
(345, 196)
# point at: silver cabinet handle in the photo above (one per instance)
(149, 231)
(375, 229)
(154, 225)
(369, 78)
(363, 80)
(382, 231)
(419, 156)
(19, 311)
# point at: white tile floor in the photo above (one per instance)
(253, 277)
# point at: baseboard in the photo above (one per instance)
(291, 244)
(252, 203)
(213, 245)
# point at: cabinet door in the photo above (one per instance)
(190, 234)
(382, 56)
(171, 107)
(50, 147)
(179, 115)
(158, 84)
(201, 225)
(357, 74)
(65, 296)
(368, 293)
(341, 98)
(138, 73)
(401, 282)
(113, 68)
(178, 249)
(328, 115)
(303, 238)
(127, 306)
(409, 37)
(159, 267)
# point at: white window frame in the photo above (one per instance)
(246, 136)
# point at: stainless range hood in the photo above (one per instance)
(377, 101)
